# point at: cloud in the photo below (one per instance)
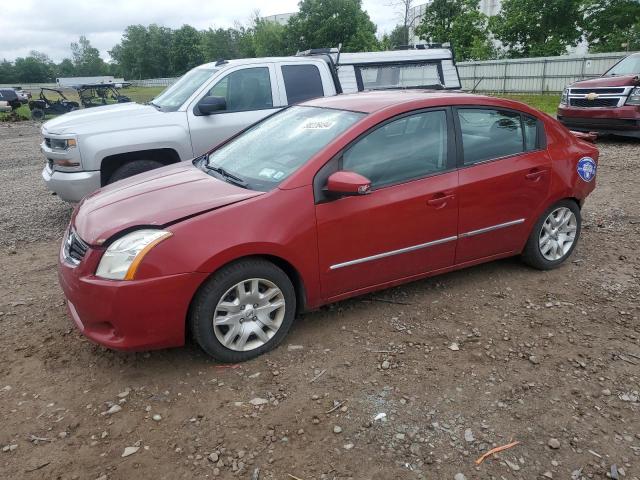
(50, 26)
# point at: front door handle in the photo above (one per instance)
(440, 199)
(534, 174)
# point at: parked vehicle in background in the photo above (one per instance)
(10, 96)
(322, 201)
(213, 102)
(23, 95)
(609, 104)
(55, 104)
(97, 95)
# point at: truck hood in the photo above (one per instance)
(86, 119)
(621, 81)
(155, 198)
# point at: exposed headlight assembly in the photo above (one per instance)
(634, 97)
(122, 257)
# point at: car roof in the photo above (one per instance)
(372, 101)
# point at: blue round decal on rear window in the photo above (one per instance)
(586, 169)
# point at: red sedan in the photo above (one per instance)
(322, 201)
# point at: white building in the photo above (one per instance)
(281, 18)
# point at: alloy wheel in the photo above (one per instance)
(558, 233)
(249, 314)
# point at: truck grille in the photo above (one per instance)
(601, 97)
(605, 90)
(598, 102)
(74, 248)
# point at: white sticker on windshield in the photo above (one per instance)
(278, 175)
(267, 172)
(318, 125)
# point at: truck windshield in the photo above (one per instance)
(266, 154)
(172, 98)
(628, 66)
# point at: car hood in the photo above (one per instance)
(156, 198)
(621, 81)
(91, 118)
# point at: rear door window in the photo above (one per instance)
(489, 133)
(302, 82)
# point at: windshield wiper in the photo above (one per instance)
(155, 105)
(228, 177)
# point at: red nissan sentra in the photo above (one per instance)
(322, 201)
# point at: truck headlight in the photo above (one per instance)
(122, 257)
(62, 143)
(634, 97)
(564, 99)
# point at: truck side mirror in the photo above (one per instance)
(210, 104)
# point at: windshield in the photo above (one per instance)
(172, 98)
(266, 154)
(628, 66)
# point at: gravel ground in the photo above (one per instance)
(414, 382)
(28, 211)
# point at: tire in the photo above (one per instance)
(37, 114)
(222, 288)
(133, 168)
(550, 254)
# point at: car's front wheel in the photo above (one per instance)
(243, 310)
(554, 236)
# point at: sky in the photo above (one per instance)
(49, 26)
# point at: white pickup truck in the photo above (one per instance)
(87, 149)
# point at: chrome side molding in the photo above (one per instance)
(426, 245)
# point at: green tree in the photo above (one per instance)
(86, 58)
(7, 72)
(396, 38)
(326, 23)
(65, 68)
(36, 68)
(612, 25)
(269, 38)
(461, 23)
(186, 51)
(537, 28)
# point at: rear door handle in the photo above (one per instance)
(534, 174)
(440, 199)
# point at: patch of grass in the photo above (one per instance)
(547, 102)
(136, 94)
(22, 113)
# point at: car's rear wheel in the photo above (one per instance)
(554, 236)
(135, 167)
(242, 311)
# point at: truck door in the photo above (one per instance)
(251, 93)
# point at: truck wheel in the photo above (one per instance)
(133, 168)
(37, 114)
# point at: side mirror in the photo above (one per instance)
(345, 183)
(209, 105)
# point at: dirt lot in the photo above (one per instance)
(551, 360)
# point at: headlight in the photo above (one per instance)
(62, 143)
(634, 97)
(564, 99)
(123, 256)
